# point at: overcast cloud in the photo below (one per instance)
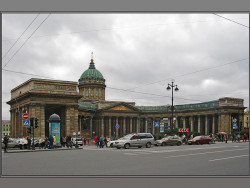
(137, 52)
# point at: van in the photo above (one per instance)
(135, 140)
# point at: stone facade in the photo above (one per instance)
(92, 115)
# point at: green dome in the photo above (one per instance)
(91, 73)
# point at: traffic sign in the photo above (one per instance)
(157, 124)
(26, 123)
(25, 116)
(117, 126)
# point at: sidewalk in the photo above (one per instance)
(17, 150)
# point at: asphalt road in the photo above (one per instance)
(218, 159)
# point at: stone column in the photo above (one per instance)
(213, 126)
(206, 125)
(42, 120)
(116, 130)
(177, 122)
(131, 124)
(192, 124)
(138, 125)
(67, 121)
(91, 126)
(109, 121)
(146, 125)
(199, 123)
(102, 126)
(153, 125)
(124, 125)
(184, 122)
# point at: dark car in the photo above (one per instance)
(200, 140)
(169, 140)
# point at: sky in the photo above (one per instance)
(207, 55)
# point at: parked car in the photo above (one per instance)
(169, 140)
(135, 140)
(12, 143)
(79, 141)
(200, 140)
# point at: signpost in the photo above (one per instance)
(25, 116)
(26, 123)
(162, 128)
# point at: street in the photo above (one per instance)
(218, 159)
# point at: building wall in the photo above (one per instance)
(6, 128)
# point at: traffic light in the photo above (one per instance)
(36, 122)
(31, 122)
(29, 130)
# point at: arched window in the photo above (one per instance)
(92, 92)
(87, 92)
(96, 92)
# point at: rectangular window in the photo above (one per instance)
(92, 92)
(87, 92)
(96, 93)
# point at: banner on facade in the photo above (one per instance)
(235, 126)
(183, 130)
(162, 128)
(55, 130)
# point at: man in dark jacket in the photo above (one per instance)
(5, 141)
(29, 142)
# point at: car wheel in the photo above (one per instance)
(126, 146)
(148, 145)
(178, 143)
(139, 146)
(111, 145)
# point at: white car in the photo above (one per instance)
(79, 141)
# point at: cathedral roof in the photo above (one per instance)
(91, 73)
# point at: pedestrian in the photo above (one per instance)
(192, 136)
(213, 138)
(84, 141)
(244, 137)
(108, 140)
(40, 142)
(5, 141)
(50, 142)
(46, 143)
(238, 137)
(105, 141)
(54, 141)
(226, 138)
(154, 137)
(97, 141)
(233, 137)
(184, 139)
(29, 142)
(101, 144)
(63, 141)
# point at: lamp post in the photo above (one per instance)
(172, 107)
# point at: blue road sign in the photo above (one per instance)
(26, 122)
(157, 124)
(235, 126)
(117, 126)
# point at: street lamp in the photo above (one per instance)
(172, 107)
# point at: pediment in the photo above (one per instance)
(121, 107)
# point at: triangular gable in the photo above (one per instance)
(121, 107)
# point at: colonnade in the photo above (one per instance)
(106, 125)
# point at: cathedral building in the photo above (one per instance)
(83, 109)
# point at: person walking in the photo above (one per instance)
(244, 137)
(40, 142)
(50, 142)
(46, 143)
(54, 141)
(105, 141)
(213, 138)
(63, 141)
(101, 142)
(5, 141)
(226, 138)
(29, 142)
(238, 137)
(97, 141)
(84, 141)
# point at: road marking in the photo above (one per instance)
(130, 154)
(201, 153)
(229, 158)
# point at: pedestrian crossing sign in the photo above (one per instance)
(26, 122)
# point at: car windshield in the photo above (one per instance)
(197, 137)
(166, 138)
(126, 137)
